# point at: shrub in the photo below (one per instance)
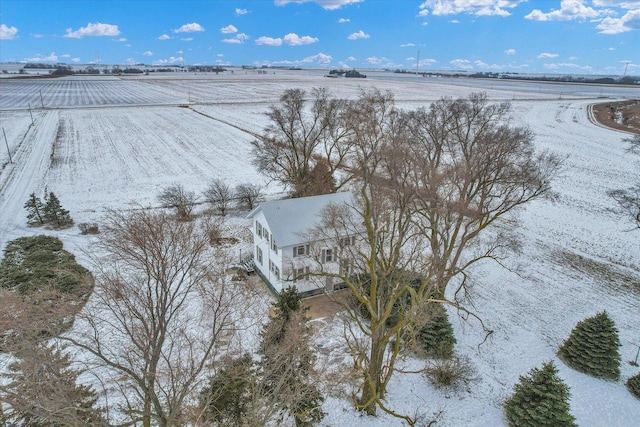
(176, 197)
(248, 196)
(450, 372)
(540, 399)
(593, 347)
(633, 384)
(219, 195)
(89, 228)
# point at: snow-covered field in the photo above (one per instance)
(103, 143)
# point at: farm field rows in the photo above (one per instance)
(578, 255)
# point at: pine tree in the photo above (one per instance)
(593, 347)
(55, 214)
(287, 362)
(540, 399)
(42, 391)
(633, 384)
(35, 210)
(225, 399)
(435, 337)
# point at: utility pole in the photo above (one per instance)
(7, 144)
(626, 64)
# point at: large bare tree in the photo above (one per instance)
(435, 191)
(162, 309)
(304, 145)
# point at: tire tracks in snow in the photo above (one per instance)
(247, 131)
(22, 177)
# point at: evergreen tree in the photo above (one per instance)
(287, 361)
(42, 391)
(35, 210)
(225, 399)
(435, 337)
(633, 384)
(593, 347)
(55, 214)
(540, 399)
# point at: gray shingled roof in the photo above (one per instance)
(290, 220)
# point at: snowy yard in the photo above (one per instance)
(109, 143)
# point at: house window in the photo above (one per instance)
(328, 255)
(259, 255)
(274, 269)
(300, 250)
(258, 228)
(347, 241)
(274, 247)
(265, 233)
(301, 273)
(346, 267)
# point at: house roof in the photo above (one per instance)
(291, 220)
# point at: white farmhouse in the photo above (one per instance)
(283, 250)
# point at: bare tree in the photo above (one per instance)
(161, 309)
(219, 195)
(433, 191)
(629, 199)
(304, 145)
(248, 196)
(177, 197)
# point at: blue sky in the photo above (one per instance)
(527, 36)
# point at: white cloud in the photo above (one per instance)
(463, 64)
(630, 21)
(343, 20)
(454, 21)
(569, 10)
(229, 29)
(239, 39)
(66, 55)
(510, 52)
(474, 7)
(171, 60)
(220, 55)
(359, 35)
(293, 39)
(561, 65)
(407, 45)
(129, 61)
(268, 41)
(164, 37)
(7, 33)
(75, 60)
(189, 28)
(547, 55)
(93, 30)
(148, 53)
(186, 39)
(350, 58)
(427, 61)
(35, 36)
(320, 58)
(240, 12)
(629, 4)
(121, 40)
(483, 65)
(52, 57)
(325, 4)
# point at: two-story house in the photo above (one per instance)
(285, 253)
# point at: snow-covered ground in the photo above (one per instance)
(107, 143)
